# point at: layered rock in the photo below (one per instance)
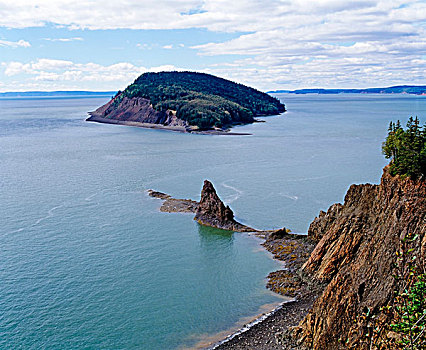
(212, 212)
(136, 110)
(356, 256)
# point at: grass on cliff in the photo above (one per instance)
(406, 148)
(202, 99)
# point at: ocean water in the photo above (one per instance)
(88, 262)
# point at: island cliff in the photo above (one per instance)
(187, 102)
(137, 111)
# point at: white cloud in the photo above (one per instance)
(168, 47)
(15, 44)
(64, 39)
(64, 74)
(288, 43)
(144, 46)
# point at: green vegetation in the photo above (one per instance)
(406, 149)
(401, 324)
(201, 99)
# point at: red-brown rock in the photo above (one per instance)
(212, 212)
(356, 257)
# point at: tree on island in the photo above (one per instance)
(406, 148)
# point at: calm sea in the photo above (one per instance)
(88, 262)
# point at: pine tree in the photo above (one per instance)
(406, 148)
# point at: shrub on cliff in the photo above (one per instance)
(406, 148)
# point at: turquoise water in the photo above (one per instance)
(88, 261)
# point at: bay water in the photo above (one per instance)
(87, 261)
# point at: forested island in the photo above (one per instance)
(186, 101)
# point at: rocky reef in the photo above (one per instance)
(174, 205)
(356, 257)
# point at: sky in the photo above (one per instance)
(105, 45)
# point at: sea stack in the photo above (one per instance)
(212, 212)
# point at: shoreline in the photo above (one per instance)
(245, 328)
(181, 129)
(271, 332)
(271, 329)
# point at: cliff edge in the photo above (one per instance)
(356, 257)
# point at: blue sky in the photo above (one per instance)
(275, 44)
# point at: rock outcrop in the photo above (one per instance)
(174, 205)
(212, 212)
(136, 110)
(356, 255)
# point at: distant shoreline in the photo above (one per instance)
(419, 90)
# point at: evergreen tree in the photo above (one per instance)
(406, 148)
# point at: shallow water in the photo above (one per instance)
(87, 259)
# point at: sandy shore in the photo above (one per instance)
(97, 119)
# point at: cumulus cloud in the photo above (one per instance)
(287, 43)
(15, 44)
(217, 15)
(44, 72)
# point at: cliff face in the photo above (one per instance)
(136, 110)
(355, 256)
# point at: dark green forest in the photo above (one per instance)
(202, 99)
(406, 148)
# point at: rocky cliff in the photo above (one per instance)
(355, 257)
(136, 110)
